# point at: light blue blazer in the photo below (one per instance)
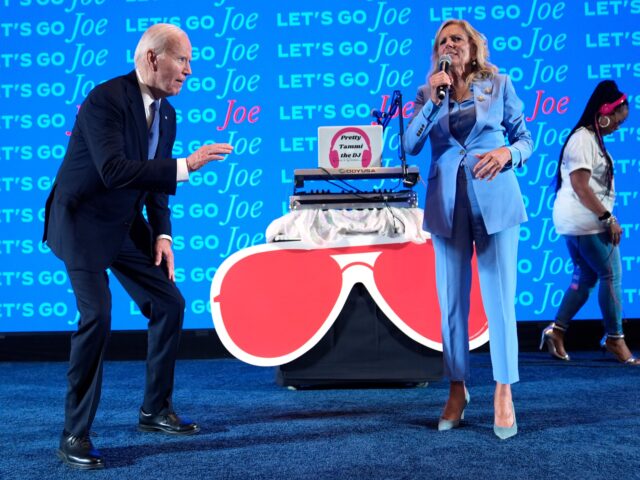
(499, 116)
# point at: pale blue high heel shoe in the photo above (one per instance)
(506, 432)
(444, 424)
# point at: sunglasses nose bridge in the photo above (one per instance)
(346, 259)
(357, 268)
(358, 273)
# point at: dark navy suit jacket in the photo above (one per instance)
(105, 179)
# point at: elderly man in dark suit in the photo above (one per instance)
(117, 162)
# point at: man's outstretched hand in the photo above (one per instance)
(206, 154)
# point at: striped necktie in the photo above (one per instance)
(154, 129)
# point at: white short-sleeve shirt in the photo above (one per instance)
(570, 216)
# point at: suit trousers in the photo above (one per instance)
(160, 302)
(497, 264)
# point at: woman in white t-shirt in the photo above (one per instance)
(582, 215)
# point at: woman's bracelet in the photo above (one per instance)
(608, 221)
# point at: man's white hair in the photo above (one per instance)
(157, 38)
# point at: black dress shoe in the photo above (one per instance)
(169, 423)
(79, 452)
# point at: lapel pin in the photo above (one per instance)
(487, 90)
(481, 98)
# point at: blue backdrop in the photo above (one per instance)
(265, 76)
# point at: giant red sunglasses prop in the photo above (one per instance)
(272, 303)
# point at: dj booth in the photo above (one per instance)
(363, 344)
(344, 292)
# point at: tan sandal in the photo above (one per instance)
(617, 347)
(554, 342)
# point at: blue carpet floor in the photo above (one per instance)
(579, 420)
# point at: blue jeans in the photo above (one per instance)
(594, 258)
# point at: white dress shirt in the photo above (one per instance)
(182, 172)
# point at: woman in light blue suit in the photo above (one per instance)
(475, 124)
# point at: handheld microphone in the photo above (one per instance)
(444, 62)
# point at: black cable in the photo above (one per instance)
(356, 189)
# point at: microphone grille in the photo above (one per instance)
(446, 58)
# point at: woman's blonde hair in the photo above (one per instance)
(480, 65)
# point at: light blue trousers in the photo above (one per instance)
(497, 264)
